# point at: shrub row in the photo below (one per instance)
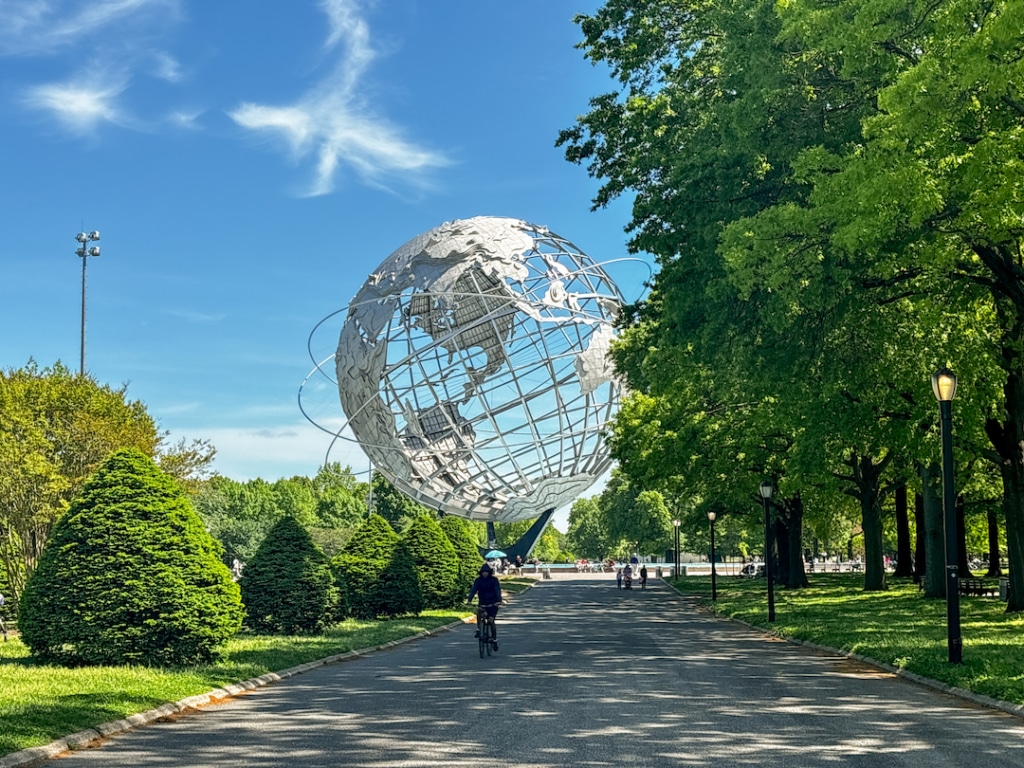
(130, 575)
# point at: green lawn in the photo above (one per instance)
(898, 627)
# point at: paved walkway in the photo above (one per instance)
(588, 676)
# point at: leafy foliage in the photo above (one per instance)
(588, 533)
(130, 576)
(436, 561)
(467, 552)
(288, 586)
(393, 505)
(376, 573)
(56, 428)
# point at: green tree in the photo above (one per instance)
(436, 561)
(393, 505)
(587, 535)
(130, 576)
(376, 572)
(56, 428)
(466, 551)
(288, 586)
(341, 498)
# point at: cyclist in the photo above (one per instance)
(487, 589)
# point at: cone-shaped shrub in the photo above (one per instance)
(288, 585)
(360, 571)
(466, 550)
(400, 586)
(129, 575)
(436, 561)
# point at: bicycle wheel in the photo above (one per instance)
(484, 633)
(490, 635)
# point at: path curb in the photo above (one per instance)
(38, 755)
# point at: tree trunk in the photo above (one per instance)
(934, 540)
(904, 560)
(995, 568)
(866, 474)
(920, 556)
(797, 576)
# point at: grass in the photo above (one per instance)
(898, 626)
(39, 704)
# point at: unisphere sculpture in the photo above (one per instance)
(473, 369)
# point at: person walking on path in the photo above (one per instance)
(643, 577)
(618, 578)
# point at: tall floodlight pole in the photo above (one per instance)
(84, 251)
(766, 495)
(944, 387)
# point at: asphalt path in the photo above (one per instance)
(587, 675)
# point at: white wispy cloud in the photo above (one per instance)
(82, 103)
(32, 27)
(333, 124)
(125, 31)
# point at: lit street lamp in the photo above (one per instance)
(675, 547)
(84, 252)
(944, 387)
(714, 587)
(766, 494)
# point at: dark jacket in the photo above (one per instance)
(488, 588)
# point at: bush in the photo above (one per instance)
(466, 551)
(129, 576)
(288, 586)
(436, 562)
(374, 581)
(400, 586)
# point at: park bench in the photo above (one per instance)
(978, 587)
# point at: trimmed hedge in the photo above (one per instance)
(288, 586)
(376, 573)
(466, 550)
(129, 576)
(436, 561)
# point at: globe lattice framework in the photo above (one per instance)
(472, 369)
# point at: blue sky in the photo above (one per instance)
(248, 165)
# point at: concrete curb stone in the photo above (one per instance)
(37, 755)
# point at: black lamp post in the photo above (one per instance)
(675, 548)
(944, 387)
(766, 494)
(714, 587)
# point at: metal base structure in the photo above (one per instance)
(527, 541)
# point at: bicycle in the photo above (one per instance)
(485, 630)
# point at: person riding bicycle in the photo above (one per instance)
(487, 589)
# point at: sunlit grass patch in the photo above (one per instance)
(898, 626)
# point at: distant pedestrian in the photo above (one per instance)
(618, 578)
(643, 577)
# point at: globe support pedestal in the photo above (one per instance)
(527, 541)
